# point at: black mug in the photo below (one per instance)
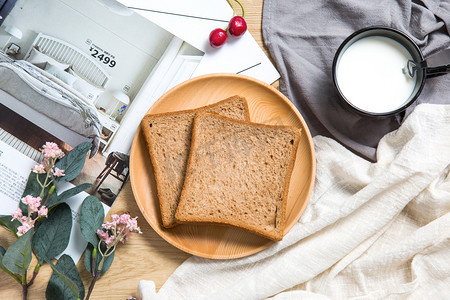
(380, 71)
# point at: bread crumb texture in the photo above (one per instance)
(238, 174)
(168, 139)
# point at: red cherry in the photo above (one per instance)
(217, 37)
(237, 26)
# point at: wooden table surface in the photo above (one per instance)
(145, 256)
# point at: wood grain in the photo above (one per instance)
(146, 256)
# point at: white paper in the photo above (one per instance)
(240, 56)
(15, 168)
(192, 21)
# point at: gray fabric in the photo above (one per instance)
(302, 37)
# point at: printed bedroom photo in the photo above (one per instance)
(73, 71)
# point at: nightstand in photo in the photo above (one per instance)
(109, 130)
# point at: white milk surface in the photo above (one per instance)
(370, 74)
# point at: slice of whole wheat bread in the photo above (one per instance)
(238, 174)
(168, 139)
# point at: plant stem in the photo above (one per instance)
(45, 184)
(32, 279)
(91, 286)
(24, 285)
(92, 266)
(96, 274)
(234, 9)
(46, 199)
(24, 291)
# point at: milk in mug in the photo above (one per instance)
(370, 74)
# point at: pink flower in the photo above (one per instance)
(108, 225)
(17, 215)
(51, 150)
(133, 226)
(105, 237)
(42, 212)
(33, 203)
(124, 218)
(119, 230)
(58, 172)
(102, 234)
(24, 228)
(38, 169)
(115, 218)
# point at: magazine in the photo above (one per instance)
(72, 70)
(69, 72)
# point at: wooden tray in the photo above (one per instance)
(267, 105)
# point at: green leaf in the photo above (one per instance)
(2, 252)
(52, 235)
(56, 199)
(88, 258)
(2, 266)
(73, 162)
(65, 282)
(12, 226)
(18, 256)
(92, 215)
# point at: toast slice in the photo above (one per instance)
(168, 138)
(238, 174)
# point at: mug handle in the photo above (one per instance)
(436, 65)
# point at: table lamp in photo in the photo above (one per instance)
(122, 101)
(12, 31)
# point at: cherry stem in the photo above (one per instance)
(234, 8)
(242, 7)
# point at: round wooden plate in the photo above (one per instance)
(267, 105)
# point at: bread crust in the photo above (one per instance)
(170, 221)
(148, 117)
(276, 235)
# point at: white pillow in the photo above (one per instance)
(90, 91)
(60, 74)
(40, 59)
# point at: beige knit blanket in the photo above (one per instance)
(370, 231)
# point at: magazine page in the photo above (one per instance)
(70, 72)
(78, 70)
